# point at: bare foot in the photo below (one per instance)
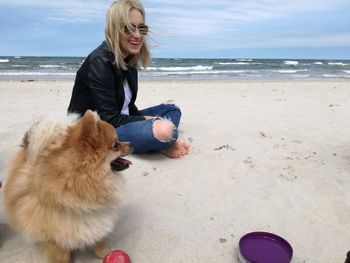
(177, 150)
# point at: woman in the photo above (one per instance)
(107, 83)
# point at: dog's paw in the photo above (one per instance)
(100, 250)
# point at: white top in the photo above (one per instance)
(127, 92)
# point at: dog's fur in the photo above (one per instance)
(61, 191)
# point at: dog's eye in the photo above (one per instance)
(117, 146)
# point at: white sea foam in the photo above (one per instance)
(318, 63)
(346, 71)
(291, 62)
(181, 68)
(335, 76)
(232, 63)
(289, 71)
(198, 72)
(22, 66)
(49, 66)
(337, 64)
(4, 60)
(244, 59)
(237, 63)
(300, 76)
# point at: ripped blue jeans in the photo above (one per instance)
(140, 133)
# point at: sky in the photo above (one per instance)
(310, 29)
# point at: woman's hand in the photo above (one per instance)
(148, 117)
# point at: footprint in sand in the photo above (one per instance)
(288, 174)
(249, 161)
(222, 240)
(280, 146)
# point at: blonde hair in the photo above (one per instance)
(117, 17)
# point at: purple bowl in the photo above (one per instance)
(263, 247)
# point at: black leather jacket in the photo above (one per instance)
(99, 86)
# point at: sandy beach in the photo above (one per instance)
(266, 156)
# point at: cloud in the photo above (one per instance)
(70, 4)
(226, 12)
(248, 10)
(181, 12)
(252, 23)
(185, 25)
(63, 11)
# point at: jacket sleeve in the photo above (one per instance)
(134, 110)
(101, 76)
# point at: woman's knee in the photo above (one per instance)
(163, 130)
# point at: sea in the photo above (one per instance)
(24, 67)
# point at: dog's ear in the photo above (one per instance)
(25, 140)
(90, 127)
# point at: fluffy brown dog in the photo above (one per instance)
(61, 191)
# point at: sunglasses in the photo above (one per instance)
(143, 29)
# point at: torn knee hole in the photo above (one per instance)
(163, 129)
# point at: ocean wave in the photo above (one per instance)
(50, 66)
(291, 62)
(237, 63)
(301, 76)
(21, 66)
(18, 73)
(199, 72)
(337, 64)
(290, 71)
(231, 63)
(221, 68)
(244, 59)
(335, 76)
(207, 68)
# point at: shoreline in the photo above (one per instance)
(190, 80)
